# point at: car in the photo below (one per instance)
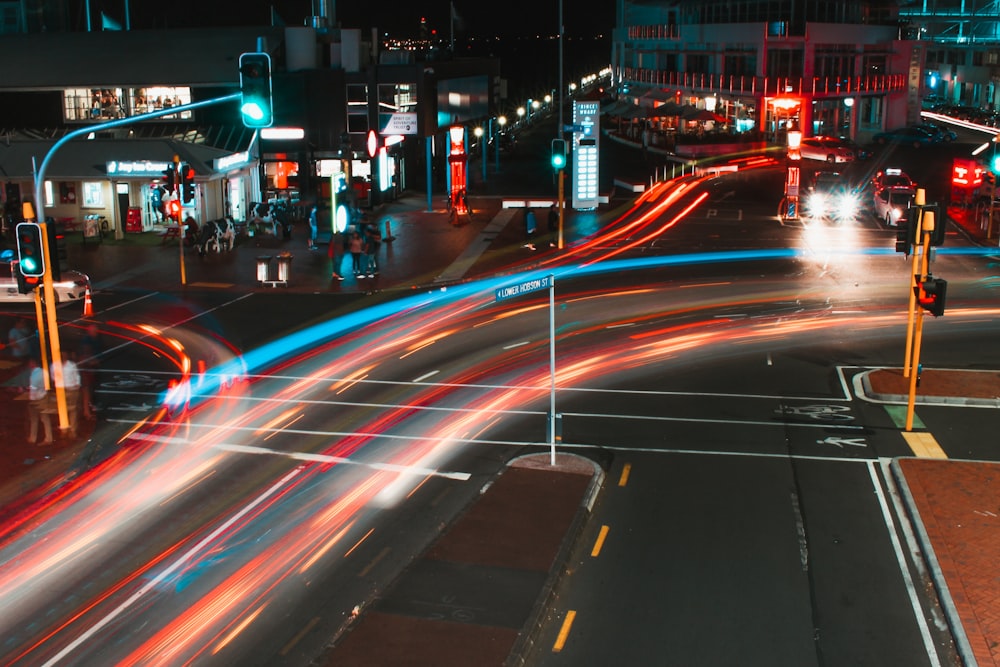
(832, 198)
(913, 136)
(893, 177)
(860, 153)
(941, 132)
(827, 149)
(71, 286)
(893, 205)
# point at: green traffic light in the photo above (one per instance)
(253, 111)
(996, 164)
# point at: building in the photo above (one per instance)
(347, 117)
(828, 67)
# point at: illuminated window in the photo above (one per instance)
(103, 104)
(357, 108)
(93, 194)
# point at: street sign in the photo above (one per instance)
(573, 128)
(533, 285)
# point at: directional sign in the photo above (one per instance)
(573, 128)
(533, 285)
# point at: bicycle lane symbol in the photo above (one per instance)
(824, 413)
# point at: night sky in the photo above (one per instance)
(399, 18)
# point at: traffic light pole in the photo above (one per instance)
(925, 243)
(47, 286)
(180, 223)
(918, 200)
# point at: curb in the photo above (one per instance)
(865, 389)
(962, 645)
(530, 632)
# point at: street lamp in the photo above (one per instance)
(501, 121)
(520, 114)
(483, 146)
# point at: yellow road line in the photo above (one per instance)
(595, 552)
(623, 480)
(564, 631)
(924, 445)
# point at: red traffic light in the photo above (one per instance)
(931, 293)
(174, 209)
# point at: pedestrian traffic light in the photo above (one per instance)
(30, 249)
(940, 223)
(931, 294)
(174, 210)
(558, 154)
(187, 183)
(255, 88)
(995, 164)
(170, 178)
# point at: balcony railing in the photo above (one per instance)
(767, 86)
(661, 31)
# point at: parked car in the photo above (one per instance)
(941, 132)
(893, 205)
(71, 286)
(914, 136)
(827, 149)
(893, 177)
(832, 198)
(860, 153)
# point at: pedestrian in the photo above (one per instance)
(89, 360)
(372, 247)
(336, 252)
(19, 340)
(314, 227)
(356, 246)
(39, 409)
(553, 218)
(71, 386)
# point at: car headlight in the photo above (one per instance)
(817, 204)
(847, 207)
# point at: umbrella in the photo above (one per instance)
(658, 95)
(668, 109)
(702, 115)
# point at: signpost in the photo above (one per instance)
(526, 287)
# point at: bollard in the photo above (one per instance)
(263, 268)
(284, 267)
(388, 231)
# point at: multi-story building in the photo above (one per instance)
(830, 67)
(347, 116)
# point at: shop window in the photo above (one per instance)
(93, 194)
(103, 104)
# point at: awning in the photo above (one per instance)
(87, 160)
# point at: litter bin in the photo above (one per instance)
(284, 266)
(263, 268)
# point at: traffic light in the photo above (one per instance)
(187, 183)
(906, 235)
(558, 154)
(995, 164)
(940, 224)
(931, 294)
(174, 210)
(57, 249)
(170, 178)
(30, 249)
(255, 88)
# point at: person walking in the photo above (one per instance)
(553, 218)
(356, 246)
(38, 404)
(19, 340)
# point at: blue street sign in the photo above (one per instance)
(573, 128)
(517, 289)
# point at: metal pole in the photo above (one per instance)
(559, 97)
(919, 200)
(486, 146)
(552, 367)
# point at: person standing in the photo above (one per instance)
(336, 251)
(314, 227)
(89, 359)
(19, 340)
(553, 218)
(374, 242)
(38, 403)
(355, 246)
(71, 385)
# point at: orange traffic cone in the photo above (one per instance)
(88, 304)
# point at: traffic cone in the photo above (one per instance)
(88, 304)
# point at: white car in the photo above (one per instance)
(71, 286)
(892, 205)
(827, 149)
